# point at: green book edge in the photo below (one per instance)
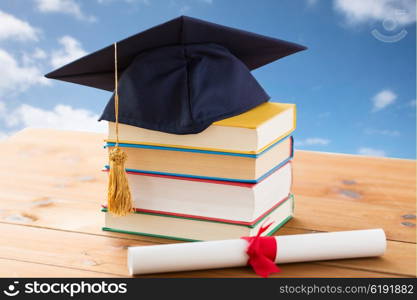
(184, 239)
(290, 198)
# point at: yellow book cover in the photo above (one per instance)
(257, 116)
(250, 132)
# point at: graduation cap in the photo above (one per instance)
(178, 77)
(181, 76)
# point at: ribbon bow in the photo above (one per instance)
(262, 251)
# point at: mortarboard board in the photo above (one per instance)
(180, 76)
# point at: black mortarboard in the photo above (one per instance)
(180, 76)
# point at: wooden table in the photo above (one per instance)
(52, 188)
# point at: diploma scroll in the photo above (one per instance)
(232, 253)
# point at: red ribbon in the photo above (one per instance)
(262, 251)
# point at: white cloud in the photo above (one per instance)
(60, 117)
(12, 28)
(383, 99)
(412, 103)
(34, 57)
(71, 50)
(371, 152)
(69, 7)
(386, 132)
(39, 54)
(207, 1)
(2, 108)
(3, 135)
(313, 142)
(360, 11)
(16, 77)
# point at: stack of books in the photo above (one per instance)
(222, 183)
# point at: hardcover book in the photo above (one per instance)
(191, 229)
(207, 164)
(250, 132)
(241, 203)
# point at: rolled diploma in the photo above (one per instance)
(232, 253)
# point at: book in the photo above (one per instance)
(250, 132)
(207, 164)
(240, 203)
(191, 229)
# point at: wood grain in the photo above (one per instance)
(378, 181)
(290, 270)
(15, 268)
(103, 254)
(96, 253)
(52, 188)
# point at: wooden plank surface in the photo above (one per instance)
(91, 252)
(16, 268)
(52, 188)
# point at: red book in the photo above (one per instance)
(215, 200)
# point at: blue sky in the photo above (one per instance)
(355, 87)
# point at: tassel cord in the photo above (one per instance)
(119, 197)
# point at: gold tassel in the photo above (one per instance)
(119, 199)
